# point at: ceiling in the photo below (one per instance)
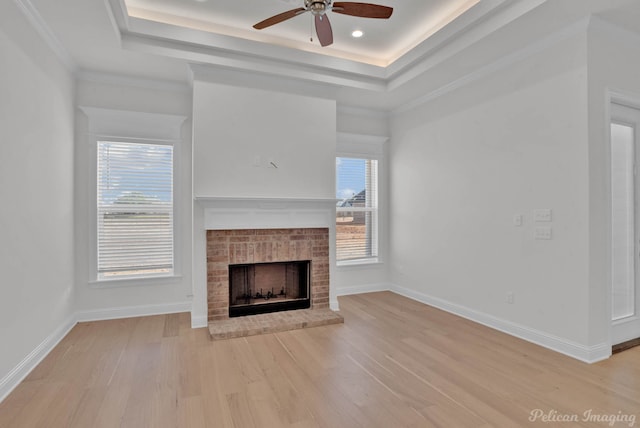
(383, 42)
(421, 49)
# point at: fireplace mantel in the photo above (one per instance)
(250, 199)
(236, 213)
(223, 213)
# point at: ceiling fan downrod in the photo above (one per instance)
(317, 7)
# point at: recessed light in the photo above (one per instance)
(357, 33)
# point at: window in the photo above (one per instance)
(622, 221)
(135, 210)
(357, 209)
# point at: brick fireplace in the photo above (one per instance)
(247, 246)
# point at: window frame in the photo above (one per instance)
(374, 259)
(133, 127)
(98, 277)
(367, 146)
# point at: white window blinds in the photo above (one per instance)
(135, 210)
(357, 209)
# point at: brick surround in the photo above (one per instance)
(225, 247)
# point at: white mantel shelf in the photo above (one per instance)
(222, 213)
(241, 199)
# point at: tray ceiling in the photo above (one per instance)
(383, 42)
(410, 57)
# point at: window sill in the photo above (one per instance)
(133, 282)
(359, 263)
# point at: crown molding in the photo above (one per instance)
(362, 112)
(602, 26)
(213, 59)
(502, 63)
(220, 51)
(117, 17)
(134, 82)
(321, 81)
(38, 23)
(117, 10)
(477, 23)
(230, 46)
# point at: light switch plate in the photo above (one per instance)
(517, 220)
(543, 233)
(542, 215)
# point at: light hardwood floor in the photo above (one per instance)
(393, 363)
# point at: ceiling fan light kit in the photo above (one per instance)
(319, 8)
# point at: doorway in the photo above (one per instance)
(625, 224)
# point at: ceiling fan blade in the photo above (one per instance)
(364, 10)
(323, 30)
(276, 19)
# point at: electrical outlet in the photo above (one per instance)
(543, 233)
(510, 298)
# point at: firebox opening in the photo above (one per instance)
(269, 287)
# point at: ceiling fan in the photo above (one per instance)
(319, 8)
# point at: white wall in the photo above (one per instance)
(239, 131)
(463, 165)
(234, 125)
(36, 189)
(614, 67)
(362, 121)
(532, 135)
(160, 295)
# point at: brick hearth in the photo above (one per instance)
(225, 247)
(275, 322)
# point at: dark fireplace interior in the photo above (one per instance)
(269, 287)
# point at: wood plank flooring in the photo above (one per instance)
(393, 363)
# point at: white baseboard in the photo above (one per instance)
(587, 354)
(361, 289)
(199, 321)
(19, 372)
(132, 311)
(357, 289)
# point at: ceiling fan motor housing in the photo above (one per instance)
(317, 7)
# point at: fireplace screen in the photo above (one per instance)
(268, 287)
